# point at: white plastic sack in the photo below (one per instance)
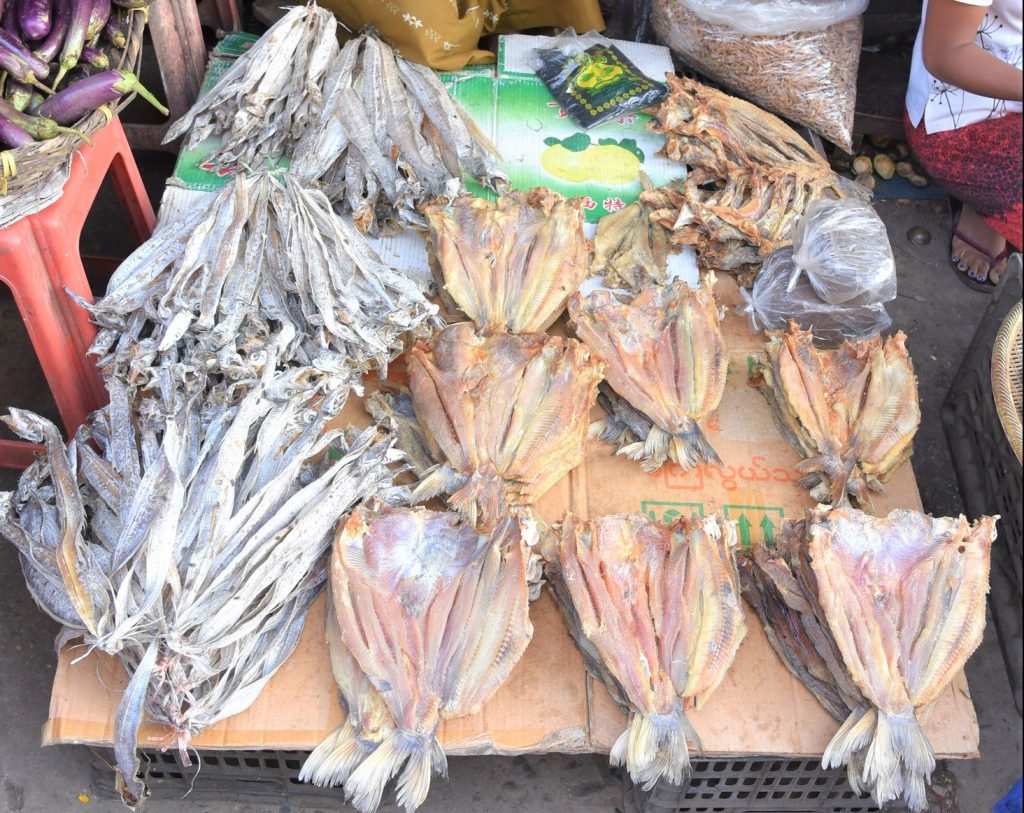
(773, 303)
(766, 17)
(843, 248)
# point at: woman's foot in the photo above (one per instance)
(977, 260)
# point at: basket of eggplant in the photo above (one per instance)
(66, 67)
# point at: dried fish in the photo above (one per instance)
(655, 609)
(393, 410)
(270, 95)
(267, 275)
(665, 355)
(509, 412)
(435, 615)
(389, 137)
(630, 248)
(510, 265)
(187, 537)
(851, 412)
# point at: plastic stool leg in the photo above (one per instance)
(128, 185)
(17, 454)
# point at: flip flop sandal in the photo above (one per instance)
(983, 286)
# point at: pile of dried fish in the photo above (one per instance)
(510, 414)
(655, 610)
(751, 176)
(389, 137)
(266, 274)
(851, 412)
(876, 616)
(665, 356)
(267, 99)
(187, 537)
(509, 265)
(630, 248)
(428, 618)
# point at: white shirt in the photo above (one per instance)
(945, 107)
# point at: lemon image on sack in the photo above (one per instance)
(577, 159)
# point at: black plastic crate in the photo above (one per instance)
(989, 476)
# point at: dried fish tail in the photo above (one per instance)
(654, 746)
(421, 755)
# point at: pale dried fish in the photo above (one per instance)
(630, 248)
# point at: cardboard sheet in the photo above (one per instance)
(549, 703)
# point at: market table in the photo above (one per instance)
(549, 704)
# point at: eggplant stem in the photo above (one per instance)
(44, 88)
(149, 97)
(73, 131)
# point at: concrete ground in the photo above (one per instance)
(937, 313)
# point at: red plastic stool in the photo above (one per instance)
(39, 259)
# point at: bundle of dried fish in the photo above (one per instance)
(431, 617)
(187, 537)
(509, 265)
(268, 273)
(752, 176)
(665, 355)
(904, 599)
(630, 248)
(390, 137)
(267, 99)
(851, 412)
(510, 413)
(655, 610)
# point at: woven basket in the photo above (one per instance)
(24, 169)
(1006, 377)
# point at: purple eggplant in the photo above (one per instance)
(96, 58)
(18, 94)
(12, 135)
(114, 32)
(39, 127)
(34, 18)
(81, 98)
(133, 4)
(19, 62)
(49, 48)
(9, 19)
(74, 39)
(97, 18)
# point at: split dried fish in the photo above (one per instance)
(510, 265)
(665, 355)
(435, 615)
(188, 538)
(393, 410)
(389, 137)
(631, 249)
(267, 274)
(270, 95)
(904, 600)
(851, 412)
(510, 413)
(751, 177)
(656, 611)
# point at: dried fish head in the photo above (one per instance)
(665, 355)
(904, 598)
(510, 265)
(657, 607)
(454, 605)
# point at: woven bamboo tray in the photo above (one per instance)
(24, 171)
(1006, 377)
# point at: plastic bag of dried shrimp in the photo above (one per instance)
(797, 58)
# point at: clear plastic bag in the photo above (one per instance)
(772, 304)
(807, 74)
(843, 249)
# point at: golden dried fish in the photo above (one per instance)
(904, 599)
(630, 249)
(851, 412)
(656, 612)
(665, 355)
(436, 615)
(509, 412)
(510, 265)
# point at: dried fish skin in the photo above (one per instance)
(510, 265)
(851, 412)
(510, 413)
(270, 95)
(904, 598)
(665, 355)
(630, 248)
(393, 409)
(453, 602)
(658, 608)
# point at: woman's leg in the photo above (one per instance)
(979, 165)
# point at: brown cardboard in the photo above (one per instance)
(548, 702)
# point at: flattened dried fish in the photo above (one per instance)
(665, 355)
(851, 412)
(630, 248)
(435, 615)
(510, 265)
(270, 95)
(656, 612)
(509, 412)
